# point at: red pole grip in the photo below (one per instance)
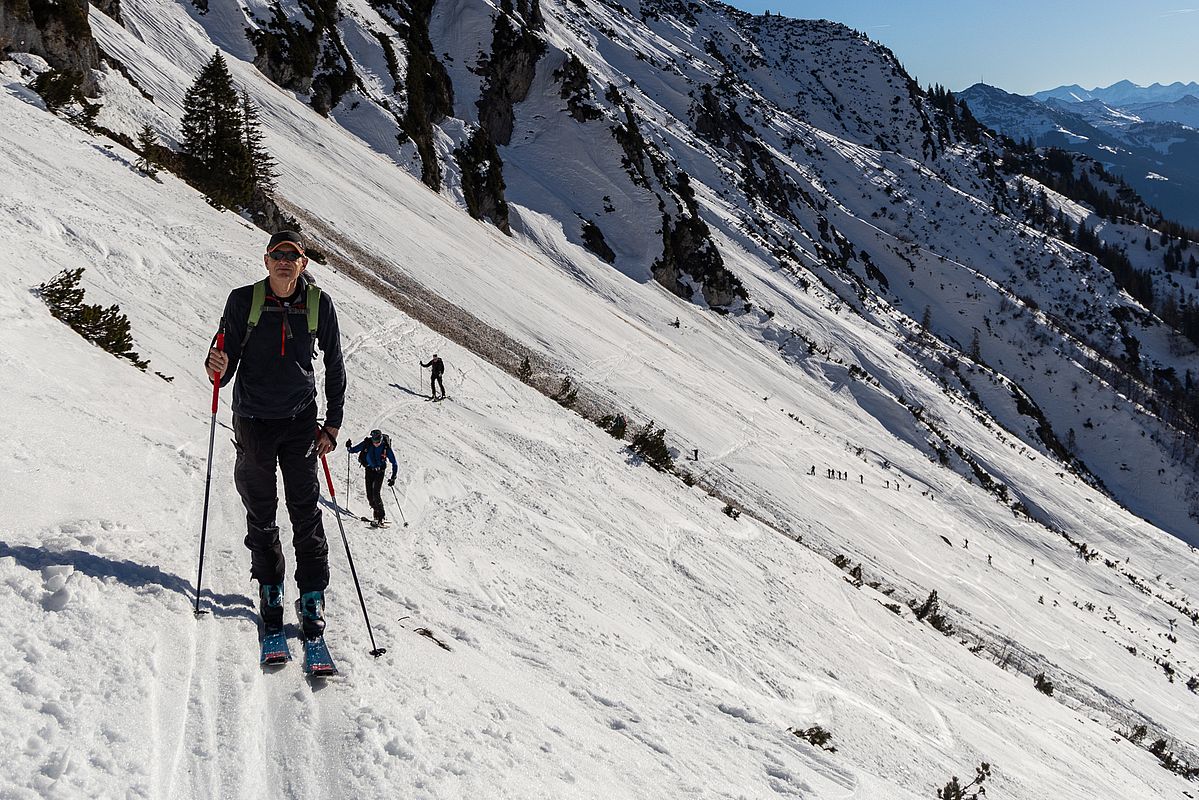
(328, 478)
(216, 385)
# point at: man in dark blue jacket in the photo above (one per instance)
(376, 452)
(272, 331)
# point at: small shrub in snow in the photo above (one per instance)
(930, 612)
(106, 327)
(149, 161)
(817, 736)
(1193, 683)
(730, 511)
(614, 424)
(1169, 761)
(567, 393)
(525, 371)
(62, 91)
(955, 791)
(1138, 733)
(650, 444)
(1043, 684)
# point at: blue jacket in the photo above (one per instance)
(376, 453)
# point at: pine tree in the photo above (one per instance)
(147, 145)
(216, 159)
(262, 165)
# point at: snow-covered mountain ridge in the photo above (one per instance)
(611, 631)
(1151, 144)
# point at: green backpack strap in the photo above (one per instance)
(312, 304)
(312, 308)
(256, 304)
(258, 301)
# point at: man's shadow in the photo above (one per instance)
(130, 573)
(406, 390)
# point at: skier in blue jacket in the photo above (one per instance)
(375, 451)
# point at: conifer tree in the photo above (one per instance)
(147, 145)
(262, 165)
(216, 159)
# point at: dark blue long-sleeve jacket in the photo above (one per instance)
(376, 453)
(275, 376)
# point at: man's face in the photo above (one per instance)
(285, 262)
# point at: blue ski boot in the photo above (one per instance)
(311, 610)
(270, 607)
(274, 640)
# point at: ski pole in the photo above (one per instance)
(348, 511)
(375, 651)
(216, 391)
(400, 507)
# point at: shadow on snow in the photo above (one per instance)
(130, 573)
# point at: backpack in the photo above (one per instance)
(386, 447)
(312, 308)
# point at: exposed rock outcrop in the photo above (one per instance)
(509, 71)
(430, 92)
(483, 179)
(306, 60)
(56, 31)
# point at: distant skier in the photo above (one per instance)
(275, 421)
(374, 453)
(436, 368)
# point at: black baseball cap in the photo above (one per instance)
(376, 435)
(286, 237)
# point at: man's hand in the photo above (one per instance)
(326, 441)
(349, 443)
(217, 363)
(392, 481)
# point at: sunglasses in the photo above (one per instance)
(285, 255)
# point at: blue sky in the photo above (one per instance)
(1020, 45)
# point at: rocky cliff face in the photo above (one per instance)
(56, 31)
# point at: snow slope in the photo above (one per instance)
(822, 175)
(611, 633)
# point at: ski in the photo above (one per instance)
(274, 649)
(317, 661)
(386, 523)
